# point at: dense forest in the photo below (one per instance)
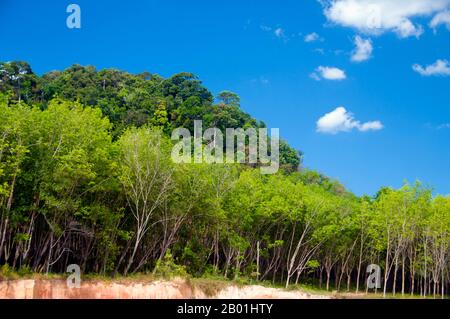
(86, 177)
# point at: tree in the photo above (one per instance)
(227, 98)
(146, 175)
(18, 78)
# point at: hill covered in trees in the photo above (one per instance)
(86, 177)
(135, 100)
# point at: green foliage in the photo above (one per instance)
(18, 80)
(5, 271)
(86, 177)
(24, 271)
(168, 269)
(133, 100)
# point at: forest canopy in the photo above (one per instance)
(86, 177)
(135, 100)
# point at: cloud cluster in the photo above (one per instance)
(328, 73)
(340, 120)
(441, 18)
(439, 68)
(363, 49)
(379, 16)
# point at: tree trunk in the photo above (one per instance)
(257, 261)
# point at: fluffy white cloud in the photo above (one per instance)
(328, 73)
(340, 120)
(363, 49)
(439, 68)
(312, 37)
(378, 16)
(441, 18)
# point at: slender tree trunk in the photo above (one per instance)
(321, 277)
(131, 259)
(358, 273)
(8, 210)
(328, 279)
(386, 271)
(394, 287)
(237, 268)
(403, 276)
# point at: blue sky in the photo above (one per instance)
(393, 124)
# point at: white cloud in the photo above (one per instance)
(363, 49)
(340, 120)
(319, 50)
(277, 32)
(441, 18)
(328, 73)
(312, 37)
(439, 68)
(370, 126)
(379, 16)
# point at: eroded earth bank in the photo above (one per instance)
(175, 289)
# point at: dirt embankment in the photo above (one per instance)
(175, 289)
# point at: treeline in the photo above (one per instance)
(75, 189)
(135, 100)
